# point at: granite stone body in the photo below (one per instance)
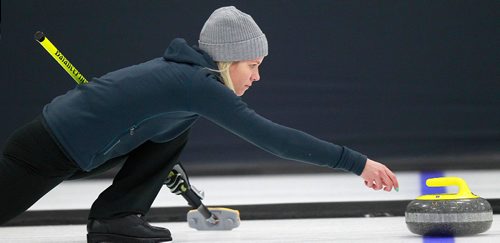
(456, 217)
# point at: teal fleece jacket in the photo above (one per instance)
(160, 99)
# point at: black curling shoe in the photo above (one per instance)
(129, 229)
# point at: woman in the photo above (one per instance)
(142, 114)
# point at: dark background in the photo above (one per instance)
(414, 84)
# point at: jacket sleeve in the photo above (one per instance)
(215, 102)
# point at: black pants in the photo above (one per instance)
(32, 164)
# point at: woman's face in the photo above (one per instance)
(244, 73)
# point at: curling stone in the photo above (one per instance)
(457, 214)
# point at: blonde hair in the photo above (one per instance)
(224, 73)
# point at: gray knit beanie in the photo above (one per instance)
(231, 35)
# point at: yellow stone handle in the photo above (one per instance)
(463, 190)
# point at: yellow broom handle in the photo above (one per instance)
(60, 58)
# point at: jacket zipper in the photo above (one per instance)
(131, 132)
(112, 146)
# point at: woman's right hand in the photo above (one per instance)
(377, 176)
